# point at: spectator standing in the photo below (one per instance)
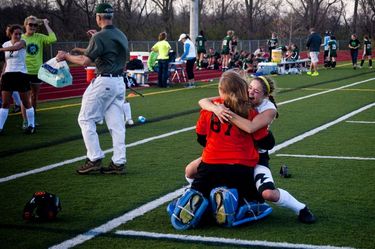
(104, 97)
(14, 77)
(35, 43)
(326, 39)
(367, 51)
(313, 44)
(226, 48)
(354, 45)
(332, 55)
(162, 47)
(200, 42)
(190, 56)
(272, 44)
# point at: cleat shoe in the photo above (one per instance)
(89, 166)
(30, 130)
(315, 73)
(113, 169)
(187, 212)
(220, 212)
(309, 73)
(305, 216)
(16, 109)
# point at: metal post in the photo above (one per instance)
(194, 11)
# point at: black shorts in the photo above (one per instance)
(15, 81)
(33, 79)
(210, 176)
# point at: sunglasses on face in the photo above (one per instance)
(33, 25)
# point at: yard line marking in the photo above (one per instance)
(112, 224)
(324, 92)
(227, 241)
(79, 239)
(320, 128)
(77, 159)
(361, 122)
(327, 157)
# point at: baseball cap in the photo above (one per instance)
(104, 8)
(182, 36)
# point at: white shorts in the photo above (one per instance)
(314, 56)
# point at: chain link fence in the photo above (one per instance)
(248, 45)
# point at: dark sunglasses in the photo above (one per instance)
(33, 25)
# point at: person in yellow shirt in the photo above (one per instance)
(162, 47)
(35, 43)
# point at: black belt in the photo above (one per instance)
(109, 75)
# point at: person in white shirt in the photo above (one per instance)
(14, 77)
(190, 56)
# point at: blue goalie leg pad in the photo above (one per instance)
(188, 210)
(252, 211)
(224, 203)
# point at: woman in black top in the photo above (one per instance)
(354, 45)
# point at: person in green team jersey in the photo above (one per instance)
(272, 43)
(366, 51)
(35, 43)
(332, 51)
(226, 49)
(200, 42)
(354, 45)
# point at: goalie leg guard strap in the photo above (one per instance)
(187, 210)
(224, 204)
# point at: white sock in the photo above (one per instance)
(3, 116)
(30, 117)
(189, 180)
(16, 97)
(127, 110)
(288, 201)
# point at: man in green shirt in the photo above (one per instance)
(104, 97)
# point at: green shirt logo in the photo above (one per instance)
(32, 48)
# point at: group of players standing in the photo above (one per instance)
(330, 50)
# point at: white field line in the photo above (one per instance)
(110, 225)
(77, 159)
(324, 92)
(235, 242)
(320, 128)
(79, 239)
(328, 157)
(52, 166)
(361, 122)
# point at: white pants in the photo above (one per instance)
(103, 98)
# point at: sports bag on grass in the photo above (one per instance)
(55, 73)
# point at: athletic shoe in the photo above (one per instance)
(306, 216)
(30, 130)
(315, 73)
(359, 67)
(371, 67)
(16, 108)
(309, 73)
(89, 166)
(113, 169)
(187, 212)
(220, 211)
